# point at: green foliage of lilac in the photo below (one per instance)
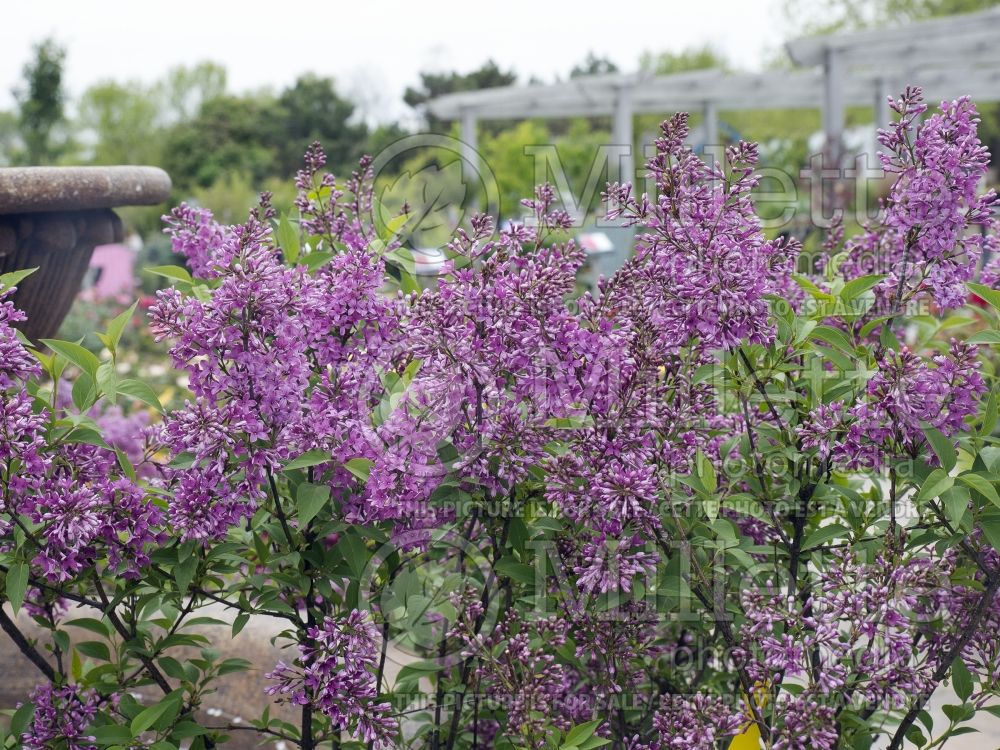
(716, 499)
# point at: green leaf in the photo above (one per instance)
(175, 273)
(111, 734)
(711, 505)
(393, 226)
(89, 623)
(117, 327)
(982, 485)
(355, 552)
(990, 525)
(287, 237)
(140, 391)
(240, 622)
(593, 743)
(824, 534)
(79, 356)
(186, 729)
(961, 679)
(76, 666)
(172, 668)
(569, 423)
(581, 732)
(814, 290)
(516, 571)
(706, 471)
(87, 436)
(888, 339)
(13, 278)
(184, 572)
(989, 414)
(984, 337)
(871, 325)
(107, 381)
(992, 296)
(916, 737)
(125, 463)
(19, 721)
(183, 460)
(359, 467)
(315, 260)
(956, 502)
(936, 483)
(149, 716)
(234, 665)
(420, 669)
(16, 585)
(942, 446)
(309, 458)
(834, 337)
(310, 499)
(860, 285)
(84, 392)
(95, 650)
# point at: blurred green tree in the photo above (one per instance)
(184, 89)
(41, 103)
(592, 65)
(694, 58)
(829, 16)
(230, 134)
(123, 120)
(432, 85)
(312, 110)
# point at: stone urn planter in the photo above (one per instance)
(52, 218)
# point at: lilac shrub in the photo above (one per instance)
(715, 501)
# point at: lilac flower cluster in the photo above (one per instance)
(903, 396)
(518, 669)
(704, 267)
(61, 719)
(84, 509)
(335, 674)
(695, 721)
(932, 234)
(852, 639)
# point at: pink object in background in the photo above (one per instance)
(112, 272)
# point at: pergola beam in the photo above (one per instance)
(923, 38)
(727, 93)
(947, 57)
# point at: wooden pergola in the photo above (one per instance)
(948, 57)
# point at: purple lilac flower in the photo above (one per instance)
(695, 722)
(85, 509)
(929, 239)
(519, 670)
(704, 267)
(61, 719)
(335, 674)
(902, 396)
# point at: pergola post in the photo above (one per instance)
(710, 114)
(883, 117)
(469, 147)
(622, 134)
(833, 102)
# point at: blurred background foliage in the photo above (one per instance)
(221, 147)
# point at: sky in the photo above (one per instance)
(373, 48)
